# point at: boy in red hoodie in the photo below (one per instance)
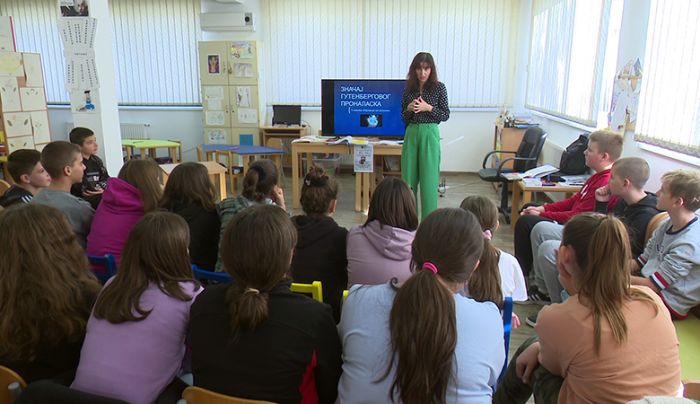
(604, 147)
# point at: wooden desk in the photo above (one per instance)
(248, 154)
(281, 132)
(519, 186)
(150, 145)
(215, 170)
(364, 182)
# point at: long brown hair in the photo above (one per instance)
(145, 176)
(412, 83)
(393, 204)
(423, 314)
(189, 183)
(318, 191)
(45, 281)
(485, 284)
(256, 270)
(155, 252)
(602, 249)
(261, 178)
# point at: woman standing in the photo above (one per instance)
(424, 105)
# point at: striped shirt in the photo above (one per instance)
(436, 96)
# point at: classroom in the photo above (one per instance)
(155, 141)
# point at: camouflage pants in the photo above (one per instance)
(512, 390)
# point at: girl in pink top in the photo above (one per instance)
(135, 340)
(609, 342)
(135, 192)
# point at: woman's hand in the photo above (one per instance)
(419, 105)
(278, 197)
(527, 361)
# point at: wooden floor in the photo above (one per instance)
(459, 186)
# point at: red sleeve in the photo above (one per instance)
(582, 201)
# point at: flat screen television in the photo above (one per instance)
(362, 107)
(286, 115)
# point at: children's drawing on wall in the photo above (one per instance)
(625, 97)
(241, 50)
(243, 70)
(216, 136)
(82, 101)
(74, 8)
(213, 63)
(243, 97)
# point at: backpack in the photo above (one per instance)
(573, 161)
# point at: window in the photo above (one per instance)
(573, 50)
(155, 48)
(472, 42)
(669, 101)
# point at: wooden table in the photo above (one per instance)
(364, 182)
(150, 145)
(248, 154)
(281, 132)
(216, 171)
(519, 186)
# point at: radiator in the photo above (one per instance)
(134, 130)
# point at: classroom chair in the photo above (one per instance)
(314, 289)
(198, 395)
(206, 275)
(50, 392)
(345, 294)
(653, 224)
(11, 385)
(4, 186)
(103, 266)
(507, 326)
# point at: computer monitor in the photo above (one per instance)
(286, 114)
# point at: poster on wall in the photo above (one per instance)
(74, 8)
(242, 50)
(214, 63)
(625, 98)
(7, 38)
(83, 101)
(216, 136)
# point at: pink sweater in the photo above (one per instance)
(117, 214)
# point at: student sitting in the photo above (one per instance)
(422, 341)
(380, 249)
(608, 342)
(670, 263)
(604, 147)
(635, 208)
(319, 254)
(506, 267)
(134, 345)
(259, 188)
(191, 194)
(46, 293)
(29, 175)
(254, 338)
(63, 162)
(135, 192)
(95, 177)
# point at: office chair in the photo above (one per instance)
(103, 266)
(523, 159)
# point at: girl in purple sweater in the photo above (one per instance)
(135, 340)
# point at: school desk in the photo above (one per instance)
(150, 145)
(520, 187)
(216, 171)
(364, 182)
(248, 154)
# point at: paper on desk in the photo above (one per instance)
(9, 94)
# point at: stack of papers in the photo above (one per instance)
(537, 172)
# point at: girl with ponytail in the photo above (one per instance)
(254, 338)
(422, 341)
(608, 342)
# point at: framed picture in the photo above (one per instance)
(74, 8)
(214, 64)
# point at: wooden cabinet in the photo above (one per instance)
(507, 139)
(229, 77)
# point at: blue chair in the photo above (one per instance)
(507, 326)
(203, 274)
(103, 266)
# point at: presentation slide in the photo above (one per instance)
(367, 107)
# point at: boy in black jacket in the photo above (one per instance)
(95, 177)
(29, 175)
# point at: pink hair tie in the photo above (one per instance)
(487, 234)
(430, 266)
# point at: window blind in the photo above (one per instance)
(155, 48)
(669, 101)
(473, 44)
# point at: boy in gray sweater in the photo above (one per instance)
(670, 263)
